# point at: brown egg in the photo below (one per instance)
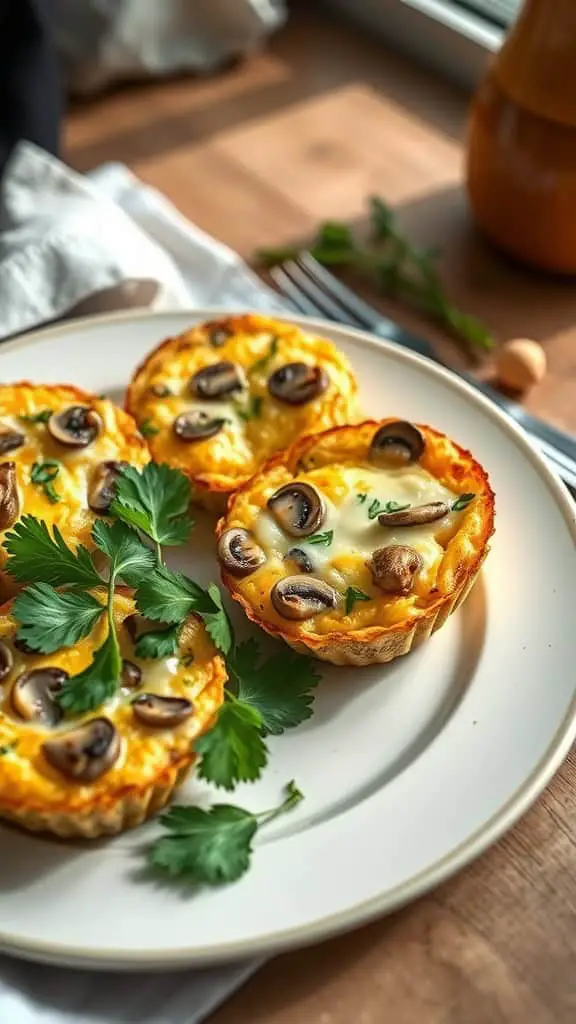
(520, 364)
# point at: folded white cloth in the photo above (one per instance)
(63, 238)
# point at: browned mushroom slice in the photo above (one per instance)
(75, 427)
(102, 487)
(197, 425)
(299, 559)
(239, 553)
(6, 661)
(301, 597)
(131, 674)
(33, 696)
(396, 444)
(297, 383)
(298, 509)
(9, 500)
(218, 333)
(85, 753)
(10, 439)
(394, 568)
(419, 515)
(161, 712)
(218, 380)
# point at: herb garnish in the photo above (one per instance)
(462, 502)
(361, 498)
(43, 475)
(253, 408)
(8, 748)
(399, 268)
(353, 594)
(39, 417)
(262, 363)
(147, 428)
(323, 539)
(211, 847)
(377, 509)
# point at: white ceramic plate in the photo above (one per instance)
(409, 770)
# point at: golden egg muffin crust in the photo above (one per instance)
(112, 768)
(60, 449)
(356, 544)
(217, 401)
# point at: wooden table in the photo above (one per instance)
(257, 156)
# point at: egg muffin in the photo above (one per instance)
(356, 544)
(62, 449)
(217, 401)
(112, 768)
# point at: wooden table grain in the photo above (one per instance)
(257, 155)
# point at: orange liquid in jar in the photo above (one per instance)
(521, 155)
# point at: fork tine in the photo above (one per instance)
(367, 315)
(319, 296)
(289, 290)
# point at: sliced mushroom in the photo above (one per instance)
(298, 509)
(297, 383)
(197, 425)
(218, 333)
(299, 559)
(395, 567)
(33, 695)
(131, 675)
(85, 753)
(6, 661)
(417, 516)
(102, 487)
(301, 597)
(75, 427)
(9, 500)
(160, 390)
(239, 552)
(161, 712)
(10, 439)
(217, 380)
(396, 444)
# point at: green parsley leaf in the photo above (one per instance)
(233, 750)
(262, 364)
(324, 539)
(253, 409)
(8, 748)
(394, 506)
(130, 558)
(158, 643)
(375, 509)
(43, 475)
(39, 417)
(97, 683)
(361, 498)
(147, 428)
(211, 847)
(353, 595)
(217, 622)
(166, 596)
(462, 502)
(51, 620)
(279, 687)
(155, 501)
(33, 554)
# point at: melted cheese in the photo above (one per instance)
(356, 536)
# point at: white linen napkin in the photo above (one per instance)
(62, 238)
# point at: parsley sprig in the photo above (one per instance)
(43, 475)
(212, 847)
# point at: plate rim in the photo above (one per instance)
(437, 872)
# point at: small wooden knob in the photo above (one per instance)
(520, 364)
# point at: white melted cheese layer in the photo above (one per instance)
(354, 533)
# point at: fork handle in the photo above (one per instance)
(538, 428)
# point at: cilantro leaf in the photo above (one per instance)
(43, 475)
(279, 688)
(233, 750)
(211, 847)
(324, 539)
(462, 502)
(155, 501)
(97, 683)
(50, 620)
(353, 594)
(35, 555)
(169, 597)
(130, 558)
(217, 622)
(158, 643)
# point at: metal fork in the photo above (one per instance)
(314, 291)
